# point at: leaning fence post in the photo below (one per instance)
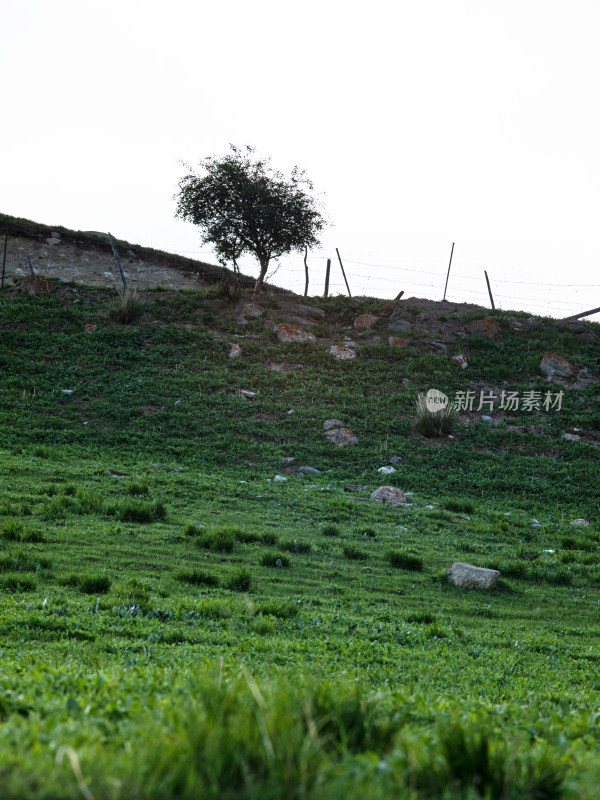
(448, 275)
(117, 259)
(306, 270)
(327, 278)
(489, 289)
(30, 264)
(343, 272)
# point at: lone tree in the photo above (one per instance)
(243, 206)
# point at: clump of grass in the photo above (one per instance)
(367, 533)
(282, 609)
(14, 531)
(271, 559)
(127, 307)
(435, 423)
(270, 539)
(17, 583)
(421, 618)
(136, 594)
(240, 580)
(459, 506)
(353, 554)
(142, 512)
(401, 560)
(196, 577)
(192, 529)
(330, 530)
(94, 584)
(294, 546)
(220, 541)
(23, 562)
(137, 489)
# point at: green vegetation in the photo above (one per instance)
(151, 646)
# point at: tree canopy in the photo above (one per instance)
(243, 205)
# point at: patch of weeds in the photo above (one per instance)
(330, 530)
(94, 584)
(421, 618)
(401, 560)
(14, 531)
(270, 539)
(17, 583)
(137, 489)
(23, 562)
(196, 577)
(354, 554)
(263, 626)
(459, 506)
(271, 559)
(239, 581)
(368, 533)
(191, 529)
(142, 512)
(219, 541)
(282, 609)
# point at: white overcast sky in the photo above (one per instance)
(421, 122)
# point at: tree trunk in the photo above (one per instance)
(264, 265)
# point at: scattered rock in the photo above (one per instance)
(365, 322)
(310, 311)
(272, 326)
(439, 346)
(388, 308)
(67, 391)
(89, 328)
(399, 325)
(571, 437)
(36, 284)
(286, 332)
(395, 459)
(53, 240)
(554, 366)
(486, 418)
(351, 487)
(397, 341)
(308, 471)
(236, 351)
(467, 576)
(487, 327)
(461, 360)
(341, 436)
(521, 324)
(279, 563)
(279, 479)
(332, 423)
(252, 311)
(341, 353)
(388, 494)
(386, 470)
(248, 395)
(583, 522)
(571, 325)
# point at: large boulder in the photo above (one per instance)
(388, 494)
(399, 325)
(341, 352)
(36, 284)
(365, 322)
(554, 366)
(341, 436)
(332, 423)
(467, 576)
(252, 311)
(487, 327)
(310, 311)
(286, 332)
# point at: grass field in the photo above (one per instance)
(176, 624)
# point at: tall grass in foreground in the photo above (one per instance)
(435, 423)
(239, 740)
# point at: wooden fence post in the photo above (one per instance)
(117, 259)
(30, 264)
(4, 259)
(489, 289)
(448, 275)
(327, 278)
(306, 270)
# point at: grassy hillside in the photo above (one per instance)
(178, 624)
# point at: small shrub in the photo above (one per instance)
(196, 577)
(271, 559)
(269, 539)
(401, 560)
(220, 541)
(94, 584)
(12, 531)
(240, 580)
(70, 580)
(42, 452)
(421, 618)
(330, 530)
(137, 489)
(353, 554)
(142, 512)
(191, 529)
(435, 423)
(127, 307)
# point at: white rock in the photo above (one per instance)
(279, 478)
(388, 494)
(583, 522)
(67, 391)
(468, 576)
(386, 470)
